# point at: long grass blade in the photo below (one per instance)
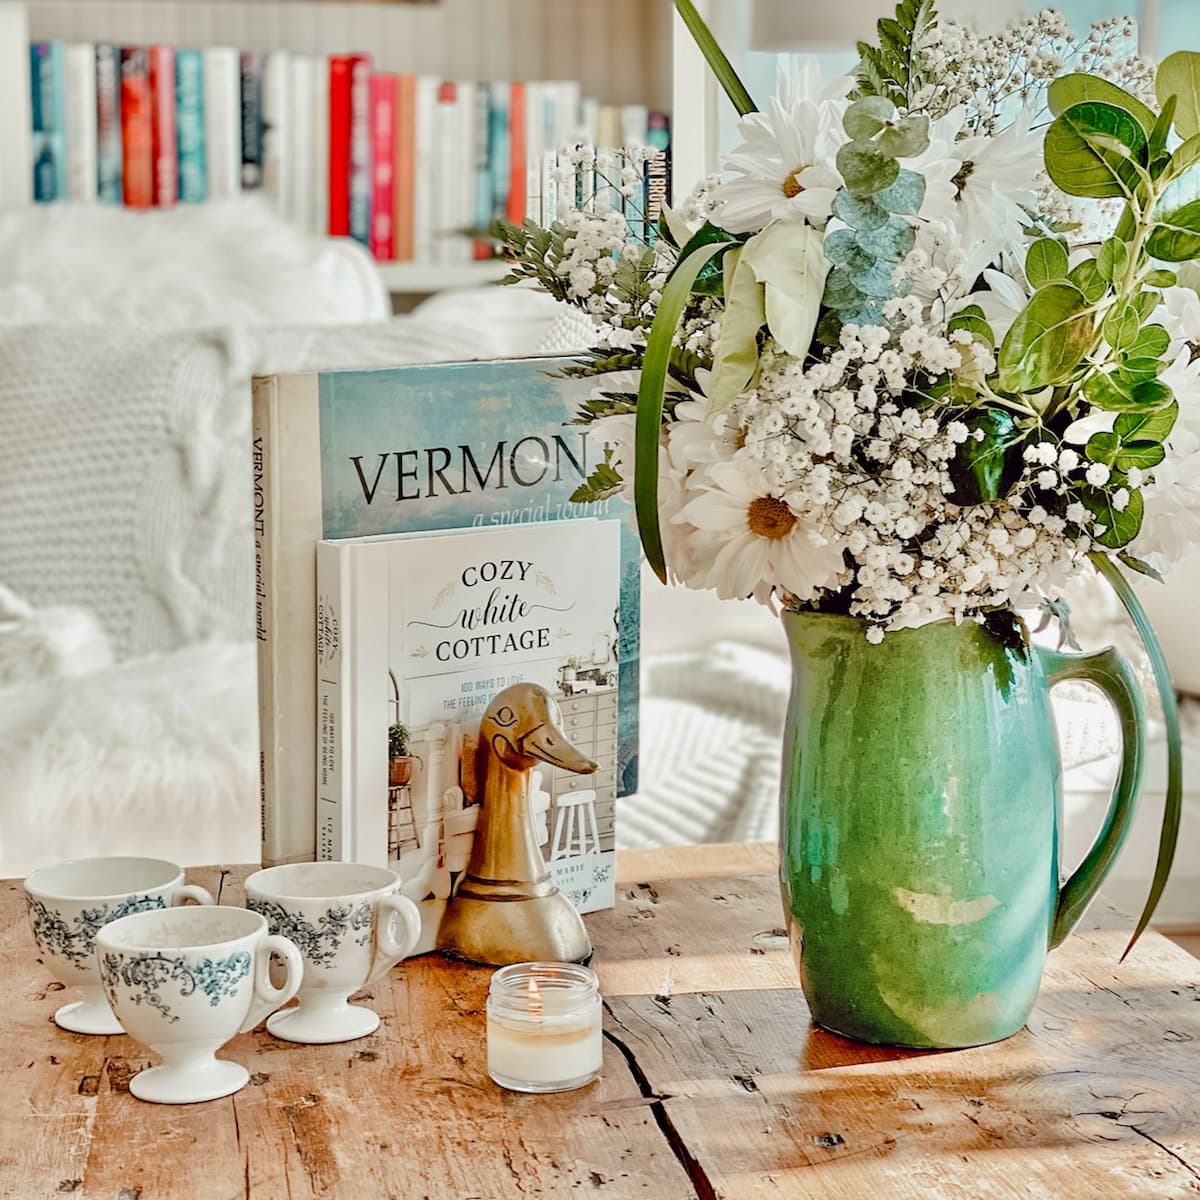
(648, 427)
(1173, 808)
(721, 67)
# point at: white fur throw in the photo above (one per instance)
(155, 756)
(48, 643)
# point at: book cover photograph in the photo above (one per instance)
(487, 446)
(416, 635)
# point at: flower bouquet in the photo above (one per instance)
(921, 356)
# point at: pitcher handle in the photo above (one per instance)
(1114, 677)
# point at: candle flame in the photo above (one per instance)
(535, 996)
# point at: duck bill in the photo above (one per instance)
(547, 744)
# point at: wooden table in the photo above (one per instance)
(715, 1084)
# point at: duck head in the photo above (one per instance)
(523, 726)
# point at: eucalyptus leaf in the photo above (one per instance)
(888, 243)
(1048, 339)
(1046, 260)
(1179, 76)
(905, 196)
(1075, 88)
(906, 138)
(735, 356)
(1113, 259)
(842, 248)
(858, 212)
(877, 281)
(866, 117)
(1176, 235)
(1087, 278)
(865, 168)
(1082, 155)
(840, 291)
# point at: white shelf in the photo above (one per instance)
(414, 277)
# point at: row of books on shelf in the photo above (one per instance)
(429, 580)
(407, 164)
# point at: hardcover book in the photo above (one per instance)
(418, 634)
(137, 139)
(81, 121)
(251, 66)
(163, 136)
(109, 187)
(222, 121)
(47, 75)
(406, 450)
(189, 122)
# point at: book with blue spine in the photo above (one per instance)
(109, 177)
(412, 449)
(47, 78)
(189, 126)
(499, 162)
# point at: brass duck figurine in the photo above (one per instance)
(507, 908)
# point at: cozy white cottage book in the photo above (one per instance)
(423, 630)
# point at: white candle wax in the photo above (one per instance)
(547, 1037)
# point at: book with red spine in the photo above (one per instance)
(339, 144)
(404, 164)
(381, 240)
(360, 147)
(137, 139)
(164, 144)
(516, 154)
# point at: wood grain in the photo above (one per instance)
(715, 1083)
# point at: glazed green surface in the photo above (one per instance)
(919, 828)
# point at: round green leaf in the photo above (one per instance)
(1145, 456)
(1162, 278)
(1047, 340)
(858, 212)
(1152, 341)
(974, 321)
(1176, 235)
(1147, 426)
(1067, 90)
(1103, 448)
(905, 196)
(1122, 325)
(907, 138)
(1087, 278)
(1120, 528)
(1113, 259)
(1086, 149)
(1046, 260)
(1179, 76)
(866, 117)
(865, 168)
(986, 470)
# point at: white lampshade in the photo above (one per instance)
(795, 25)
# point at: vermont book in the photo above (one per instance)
(411, 449)
(415, 637)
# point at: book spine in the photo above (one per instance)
(425, 191)
(137, 139)
(404, 160)
(339, 145)
(360, 148)
(81, 122)
(445, 171)
(318, 180)
(189, 125)
(657, 178)
(251, 66)
(482, 131)
(334, 731)
(498, 148)
(276, 117)
(163, 137)
(47, 89)
(383, 173)
(535, 144)
(108, 125)
(222, 121)
(300, 142)
(635, 120)
(516, 154)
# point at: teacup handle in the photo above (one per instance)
(191, 891)
(268, 997)
(389, 951)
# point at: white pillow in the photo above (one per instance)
(234, 262)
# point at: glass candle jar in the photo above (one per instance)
(543, 1027)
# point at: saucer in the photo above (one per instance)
(83, 1017)
(189, 1085)
(321, 1026)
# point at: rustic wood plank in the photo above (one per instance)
(1097, 1098)
(715, 1082)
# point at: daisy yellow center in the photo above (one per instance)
(768, 517)
(791, 184)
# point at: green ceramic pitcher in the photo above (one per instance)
(920, 824)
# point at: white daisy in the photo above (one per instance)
(785, 164)
(982, 184)
(1001, 300)
(758, 539)
(1179, 314)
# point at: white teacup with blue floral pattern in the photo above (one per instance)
(351, 925)
(186, 980)
(68, 903)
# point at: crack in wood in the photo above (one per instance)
(1183, 1162)
(686, 1159)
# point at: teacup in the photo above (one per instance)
(186, 980)
(343, 917)
(69, 902)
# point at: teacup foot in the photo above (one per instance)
(190, 1084)
(84, 1016)
(322, 1026)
